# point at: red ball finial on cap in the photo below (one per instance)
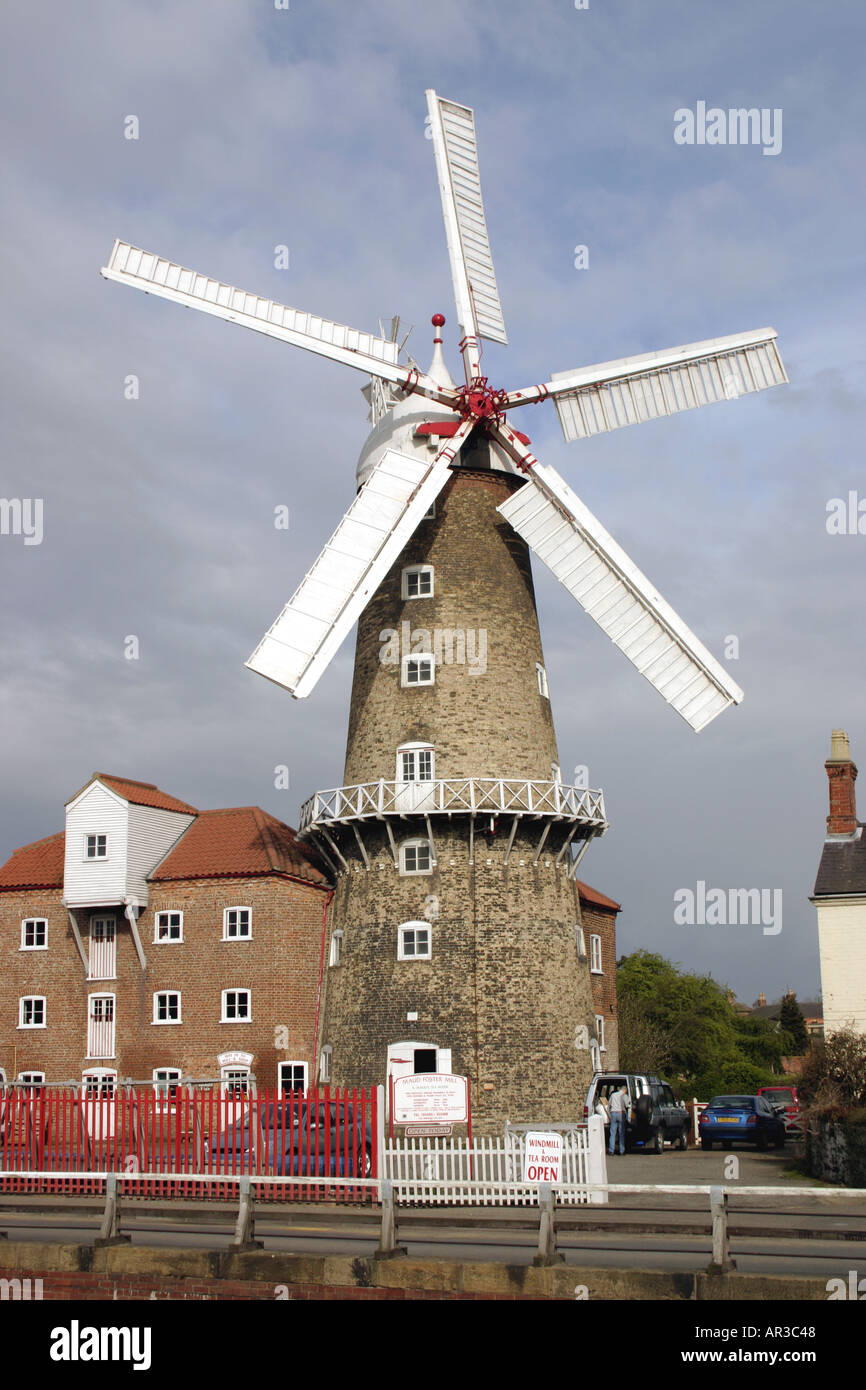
(438, 320)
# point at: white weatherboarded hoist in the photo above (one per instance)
(400, 489)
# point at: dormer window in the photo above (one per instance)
(96, 847)
(418, 581)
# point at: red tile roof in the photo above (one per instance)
(39, 865)
(592, 895)
(240, 840)
(139, 793)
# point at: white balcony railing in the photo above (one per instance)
(475, 796)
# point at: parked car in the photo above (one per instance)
(742, 1119)
(656, 1114)
(312, 1140)
(786, 1099)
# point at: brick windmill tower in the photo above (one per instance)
(454, 840)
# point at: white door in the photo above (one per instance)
(103, 949)
(415, 790)
(100, 1026)
(413, 1058)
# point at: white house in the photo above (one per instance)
(840, 898)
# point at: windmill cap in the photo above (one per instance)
(840, 751)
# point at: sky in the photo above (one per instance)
(303, 127)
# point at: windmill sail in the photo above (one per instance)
(611, 589)
(129, 265)
(633, 389)
(383, 517)
(456, 149)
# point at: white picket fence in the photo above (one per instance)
(487, 1172)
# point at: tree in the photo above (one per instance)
(791, 1021)
(835, 1071)
(644, 1046)
(684, 1025)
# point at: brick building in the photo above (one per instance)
(598, 941)
(152, 941)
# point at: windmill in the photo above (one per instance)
(551, 518)
(450, 502)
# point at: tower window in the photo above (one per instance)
(417, 581)
(96, 847)
(541, 676)
(336, 954)
(419, 670)
(415, 857)
(414, 941)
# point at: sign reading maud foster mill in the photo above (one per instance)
(431, 1099)
(542, 1158)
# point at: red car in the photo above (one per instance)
(785, 1096)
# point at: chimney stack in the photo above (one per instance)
(842, 774)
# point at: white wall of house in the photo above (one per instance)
(842, 947)
(96, 882)
(152, 834)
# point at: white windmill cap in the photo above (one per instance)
(396, 429)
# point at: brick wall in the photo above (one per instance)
(598, 921)
(280, 965)
(504, 989)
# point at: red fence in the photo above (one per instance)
(324, 1133)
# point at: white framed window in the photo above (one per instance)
(101, 1023)
(431, 513)
(541, 677)
(336, 953)
(556, 773)
(236, 1006)
(414, 941)
(292, 1076)
(99, 1083)
(595, 1055)
(166, 1083)
(419, 669)
(416, 762)
(31, 1011)
(599, 1032)
(415, 857)
(96, 846)
(417, 581)
(237, 924)
(166, 1006)
(235, 1080)
(31, 1080)
(167, 927)
(325, 1064)
(581, 941)
(34, 934)
(595, 955)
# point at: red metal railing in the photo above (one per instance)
(322, 1133)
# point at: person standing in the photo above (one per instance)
(619, 1110)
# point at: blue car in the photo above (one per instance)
(741, 1119)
